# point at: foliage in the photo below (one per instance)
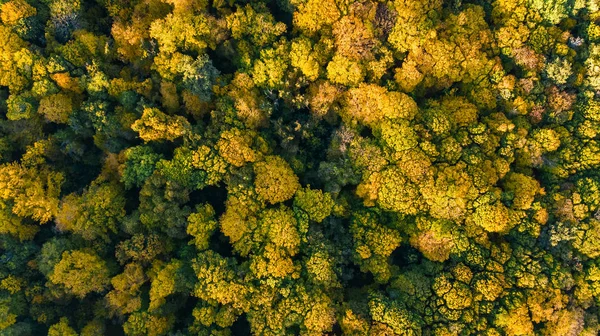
(299, 167)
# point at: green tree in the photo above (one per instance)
(95, 214)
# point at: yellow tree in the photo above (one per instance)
(275, 180)
(81, 272)
(155, 125)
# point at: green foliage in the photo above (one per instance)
(94, 214)
(318, 205)
(139, 165)
(201, 225)
(20, 107)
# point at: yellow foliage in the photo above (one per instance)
(170, 99)
(493, 218)
(342, 70)
(155, 125)
(248, 101)
(449, 192)
(64, 81)
(353, 38)
(368, 189)
(516, 322)
(193, 104)
(408, 76)
(370, 104)
(524, 188)
(13, 225)
(15, 60)
(270, 70)
(33, 193)
(56, 108)
(275, 180)
(185, 31)
(301, 57)
(235, 147)
(12, 284)
(81, 272)
(120, 85)
(321, 97)
(13, 11)
(281, 229)
(433, 238)
(312, 15)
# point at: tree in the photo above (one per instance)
(344, 71)
(393, 315)
(155, 125)
(143, 323)
(81, 272)
(300, 167)
(255, 24)
(493, 218)
(140, 162)
(16, 61)
(20, 107)
(95, 214)
(396, 193)
(269, 71)
(373, 244)
(302, 56)
(515, 321)
(201, 225)
(313, 15)
(13, 11)
(162, 206)
(65, 18)
(235, 147)
(314, 202)
(166, 279)
(434, 238)
(524, 189)
(141, 248)
(196, 75)
(369, 104)
(173, 32)
(33, 193)
(61, 328)
(125, 297)
(275, 180)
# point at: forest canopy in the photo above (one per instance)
(300, 167)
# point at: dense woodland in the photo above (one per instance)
(300, 167)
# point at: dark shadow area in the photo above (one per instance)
(213, 195)
(336, 330)
(280, 13)
(186, 310)
(114, 329)
(405, 255)
(357, 279)
(293, 330)
(223, 58)
(366, 132)
(220, 244)
(78, 177)
(241, 327)
(132, 200)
